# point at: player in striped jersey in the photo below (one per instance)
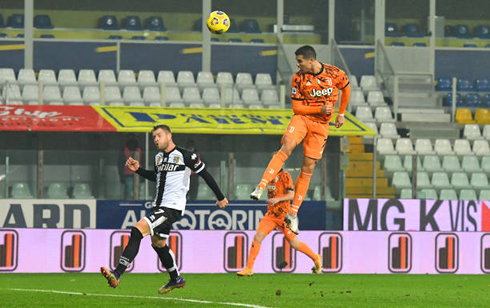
(173, 167)
(315, 90)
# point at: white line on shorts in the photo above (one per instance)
(139, 296)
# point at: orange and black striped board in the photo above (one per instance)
(283, 256)
(73, 252)
(447, 253)
(399, 254)
(236, 253)
(7, 251)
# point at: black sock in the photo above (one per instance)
(129, 252)
(167, 258)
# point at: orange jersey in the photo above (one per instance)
(317, 90)
(278, 187)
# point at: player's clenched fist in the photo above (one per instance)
(327, 110)
(222, 204)
(132, 164)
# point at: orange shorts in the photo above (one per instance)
(313, 134)
(270, 222)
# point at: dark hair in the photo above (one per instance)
(306, 51)
(162, 126)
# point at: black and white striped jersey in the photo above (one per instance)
(173, 172)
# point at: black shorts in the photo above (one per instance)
(161, 219)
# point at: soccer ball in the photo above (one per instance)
(218, 22)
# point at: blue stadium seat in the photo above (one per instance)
(2, 24)
(132, 23)
(161, 38)
(482, 85)
(448, 31)
(234, 40)
(138, 38)
(155, 23)
(233, 26)
(444, 84)
(109, 22)
(419, 45)
(486, 100)
(412, 30)
(214, 39)
(20, 35)
(462, 31)
(397, 44)
(3, 35)
(16, 21)
(391, 30)
(449, 99)
(257, 41)
(482, 31)
(487, 46)
(115, 37)
(468, 45)
(473, 100)
(198, 25)
(250, 26)
(47, 36)
(42, 22)
(464, 85)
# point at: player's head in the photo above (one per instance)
(305, 58)
(162, 137)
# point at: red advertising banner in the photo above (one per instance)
(52, 118)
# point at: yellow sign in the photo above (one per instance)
(215, 120)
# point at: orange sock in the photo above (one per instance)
(254, 251)
(273, 168)
(307, 251)
(300, 190)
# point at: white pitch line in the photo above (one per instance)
(139, 296)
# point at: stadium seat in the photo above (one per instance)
(12, 95)
(257, 41)
(464, 84)
(449, 99)
(423, 146)
(243, 81)
(392, 163)
(467, 195)
(364, 114)
(42, 22)
(2, 23)
(242, 191)
(185, 79)
(232, 97)
(473, 100)
(432, 163)
(210, 96)
(472, 132)
(67, 78)
(132, 94)
(113, 95)
(481, 148)
(109, 22)
(250, 26)
(263, 81)
(375, 98)
(191, 96)
(443, 147)
(270, 97)
(233, 26)
(151, 96)
(423, 180)
(30, 93)
(470, 164)
(450, 163)
(91, 95)
(82, 191)
(484, 195)
(235, 40)
(72, 96)
(3, 35)
(462, 147)
(408, 163)
(107, 77)
(391, 30)
(448, 194)
(479, 180)
(482, 85)
(224, 79)
(20, 35)
(57, 191)
(412, 30)
(155, 23)
(440, 180)
(21, 191)
(16, 21)
(398, 44)
(205, 80)
(47, 36)
(161, 38)
(368, 83)
(444, 84)
(419, 44)
(126, 78)
(428, 194)
(26, 77)
(404, 146)
(406, 193)
(482, 116)
(401, 180)
(146, 78)
(462, 31)
(487, 100)
(172, 95)
(385, 146)
(459, 180)
(52, 94)
(486, 132)
(132, 23)
(482, 31)
(374, 128)
(250, 96)
(383, 115)
(357, 98)
(388, 130)
(470, 45)
(205, 193)
(166, 77)
(115, 37)
(448, 30)
(138, 37)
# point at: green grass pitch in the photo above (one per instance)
(260, 290)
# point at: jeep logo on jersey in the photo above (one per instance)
(323, 92)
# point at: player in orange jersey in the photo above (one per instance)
(315, 90)
(280, 193)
